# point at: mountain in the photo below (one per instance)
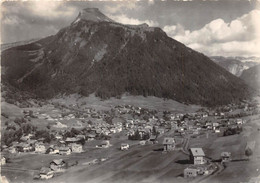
(248, 59)
(252, 76)
(233, 65)
(19, 43)
(92, 14)
(97, 55)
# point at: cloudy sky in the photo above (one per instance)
(224, 27)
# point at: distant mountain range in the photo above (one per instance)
(97, 55)
(236, 65)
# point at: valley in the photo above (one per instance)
(132, 100)
(114, 120)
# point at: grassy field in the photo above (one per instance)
(242, 168)
(138, 101)
(138, 164)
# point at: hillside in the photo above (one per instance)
(252, 77)
(97, 55)
(19, 43)
(233, 65)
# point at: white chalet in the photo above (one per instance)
(197, 156)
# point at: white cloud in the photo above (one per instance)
(120, 7)
(12, 20)
(126, 20)
(51, 9)
(48, 10)
(238, 37)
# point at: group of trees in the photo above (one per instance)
(138, 136)
(233, 131)
(11, 135)
(73, 133)
(20, 121)
(154, 131)
(248, 152)
(48, 137)
(14, 133)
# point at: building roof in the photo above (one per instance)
(80, 136)
(197, 152)
(64, 148)
(105, 142)
(58, 161)
(91, 135)
(73, 139)
(153, 137)
(168, 140)
(226, 154)
(124, 144)
(45, 170)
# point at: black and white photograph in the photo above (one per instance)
(130, 91)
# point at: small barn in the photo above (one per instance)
(226, 156)
(124, 146)
(190, 172)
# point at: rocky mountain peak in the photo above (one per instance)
(92, 14)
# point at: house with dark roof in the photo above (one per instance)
(168, 144)
(58, 165)
(72, 140)
(46, 173)
(64, 150)
(91, 137)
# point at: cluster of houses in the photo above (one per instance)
(57, 165)
(200, 164)
(62, 147)
(192, 123)
(134, 121)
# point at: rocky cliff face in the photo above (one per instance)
(233, 65)
(97, 55)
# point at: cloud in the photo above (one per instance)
(40, 10)
(51, 9)
(240, 36)
(120, 7)
(151, 2)
(27, 20)
(126, 20)
(12, 20)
